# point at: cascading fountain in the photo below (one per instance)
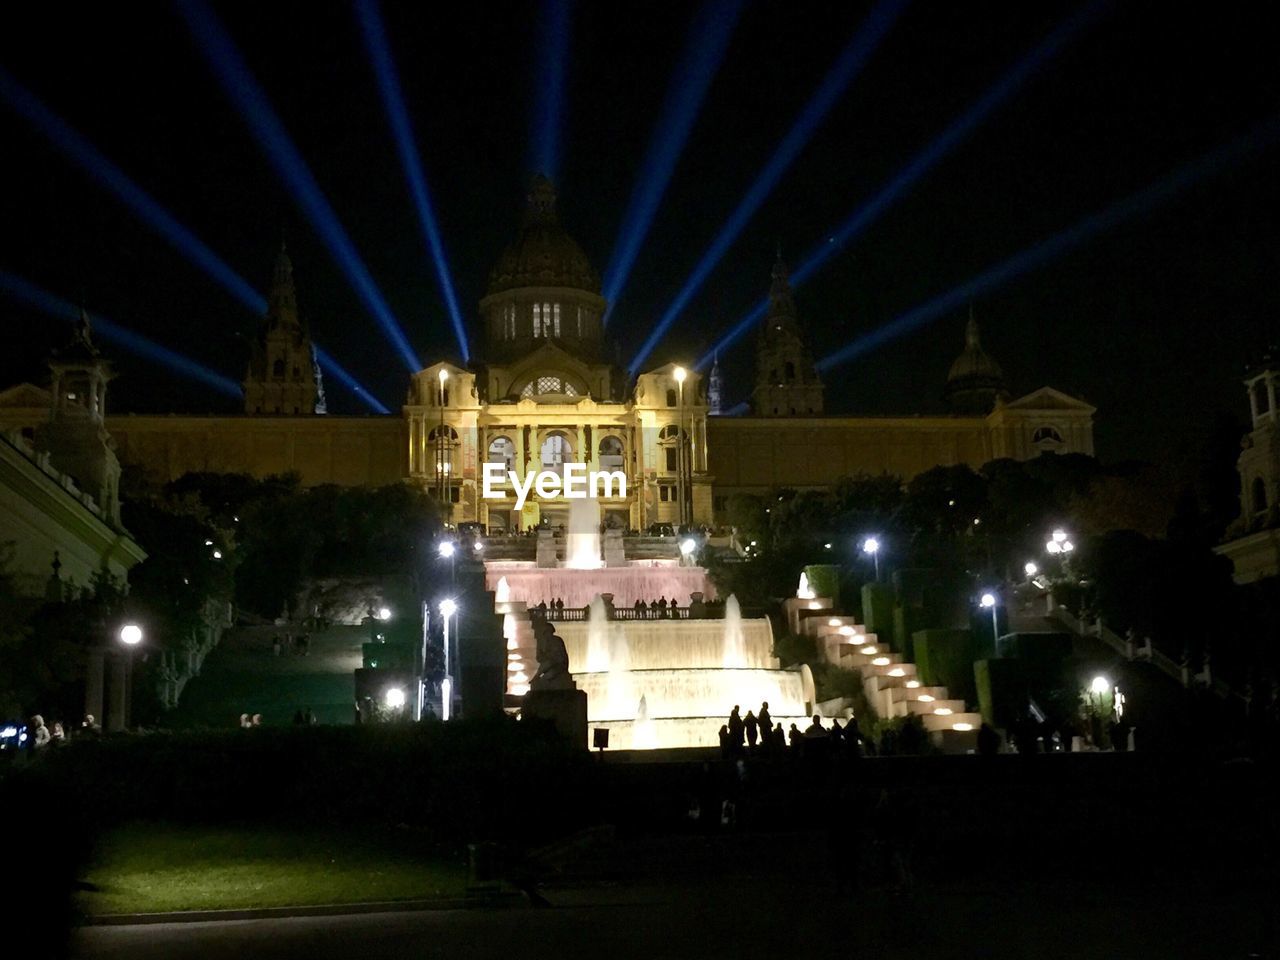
(686, 674)
(653, 682)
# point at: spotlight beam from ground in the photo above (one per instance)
(219, 50)
(335, 370)
(704, 50)
(892, 191)
(837, 79)
(93, 162)
(1164, 189)
(26, 292)
(384, 68)
(551, 59)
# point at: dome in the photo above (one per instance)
(976, 381)
(543, 255)
(975, 364)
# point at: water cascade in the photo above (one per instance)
(502, 592)
(735, 642)
(582, 551)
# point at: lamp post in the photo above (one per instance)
(441, 479)
(989, 601)
(129, 635)
(448, 551)
(680, 374)
(448, 607)
(872, 546)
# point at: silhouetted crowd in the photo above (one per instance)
(756, 733)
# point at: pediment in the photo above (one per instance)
(25, 395)
(1047, 398)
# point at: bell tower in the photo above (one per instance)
(76, 437)
(282, 377)
(787, 382)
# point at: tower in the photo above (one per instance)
(787, 383)
(715, 389)
(1259, 462)
(976, 381)
(75, 436)
(282, 377)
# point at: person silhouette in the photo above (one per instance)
(766, 721)
(752, 729)
(736, 730)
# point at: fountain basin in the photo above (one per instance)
(683, 693)
(665, 733)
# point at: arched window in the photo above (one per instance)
(1261, 401)
(556, 452)
(671, 398)
(611, 453)
(791, 371)
(502, 450)
(277, 369)
(1259, 495)
(669, 439)
(1046, 435)
(447, 438)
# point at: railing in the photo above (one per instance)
(707, 611)
(1130, 650)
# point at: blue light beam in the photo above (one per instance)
(551, 57)
(384, 68)
(92, 161)
(951, 137)
(838, 78)
(332, 368)
(703, 53)
(1182, 177)
(218, 49)
(26, 292)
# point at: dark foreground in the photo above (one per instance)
(752, 898)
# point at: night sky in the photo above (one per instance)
(1152, 322)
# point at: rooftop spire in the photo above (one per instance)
(282, 303)
(541, 205)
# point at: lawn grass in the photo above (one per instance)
(152, 868)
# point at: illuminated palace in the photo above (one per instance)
(549, 392)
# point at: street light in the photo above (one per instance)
(384, 613)
(130, 634)
(1100, 685)
(441, 479)
(448, 607)
(872, 546)
(395, 698)
(688, 546)
(447, 549)
(989, 601)
(1031, 568)
(680, 373)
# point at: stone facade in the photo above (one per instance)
(1254, 547)
(546, 392)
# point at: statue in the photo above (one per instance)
(553, 659)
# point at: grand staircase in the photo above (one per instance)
(892, 686)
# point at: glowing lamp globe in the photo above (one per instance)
(446, 549)
(680, 373)
(988, 600)
(1031, 569)
(1100, 685)
(870, 545)
(395, 698)
(448, 608)
(687, 547)
(131, 634)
